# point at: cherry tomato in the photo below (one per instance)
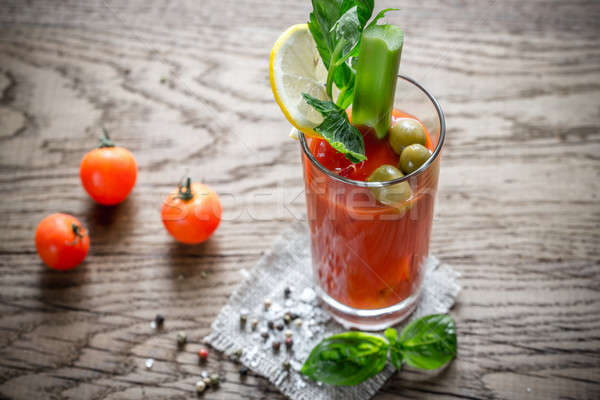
(61, 241)
(108, 173)
(191, 213)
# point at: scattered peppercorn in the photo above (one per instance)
(181, 338)
(286, 292)
(287, 318)
(267, 303)
(243, 317)
(203, 355)
(286, 365)
(215, 379)
(254, 324)
(237, 355)
(279, 326)
(243, 371)
(264, 334)
(271, 324)
(159, 320)
(200, 386)
(276, 344)
(289, 342)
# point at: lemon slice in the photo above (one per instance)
(295, 67)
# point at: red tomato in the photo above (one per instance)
(108, 173)
(61, 241)
(191, 213)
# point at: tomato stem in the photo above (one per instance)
(185, 191)
(105, 140)
(77, 231)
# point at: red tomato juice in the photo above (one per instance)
(367, 255)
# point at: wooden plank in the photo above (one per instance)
(184, 85)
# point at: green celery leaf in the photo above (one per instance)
(347, 30)
(428, 342)
(332, 21)
(365, 9)
(346, 359)
(380, 15)
(321, 20)
(336, 129)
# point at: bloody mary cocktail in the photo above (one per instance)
(371, 142)
(368, 257)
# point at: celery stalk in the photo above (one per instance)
(376, 75)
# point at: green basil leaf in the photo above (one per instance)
(380, 15)
(428, 342)
(396, 357)
(336, 129)
(346, 359)
(391, 335)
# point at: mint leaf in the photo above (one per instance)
(428, 342)
(346, 359)
(380, 15)
(336, 129)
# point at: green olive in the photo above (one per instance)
(393, 194)
(413, 157)
(405, 132)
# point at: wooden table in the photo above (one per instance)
(184, 85)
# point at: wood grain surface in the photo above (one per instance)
(184, 85)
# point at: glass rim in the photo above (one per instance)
(420, 170)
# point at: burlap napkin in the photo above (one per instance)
(288, 264)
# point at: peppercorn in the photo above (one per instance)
(200, 386)
(181, 338)
(286, 292)
(159, 320)
(243, 371)
(267, 303)
(276, 344)
(237, 355)
(279, 326)
(215, 379)
(254, 324)
(202, 355)
(286, 365)
(264, 334)
(287, 318)
(270, 324)
(289, 342)
(243, 317)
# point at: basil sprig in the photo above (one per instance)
(353, 357)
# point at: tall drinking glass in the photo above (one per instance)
(368, 258)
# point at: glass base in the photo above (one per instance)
(368, 320)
